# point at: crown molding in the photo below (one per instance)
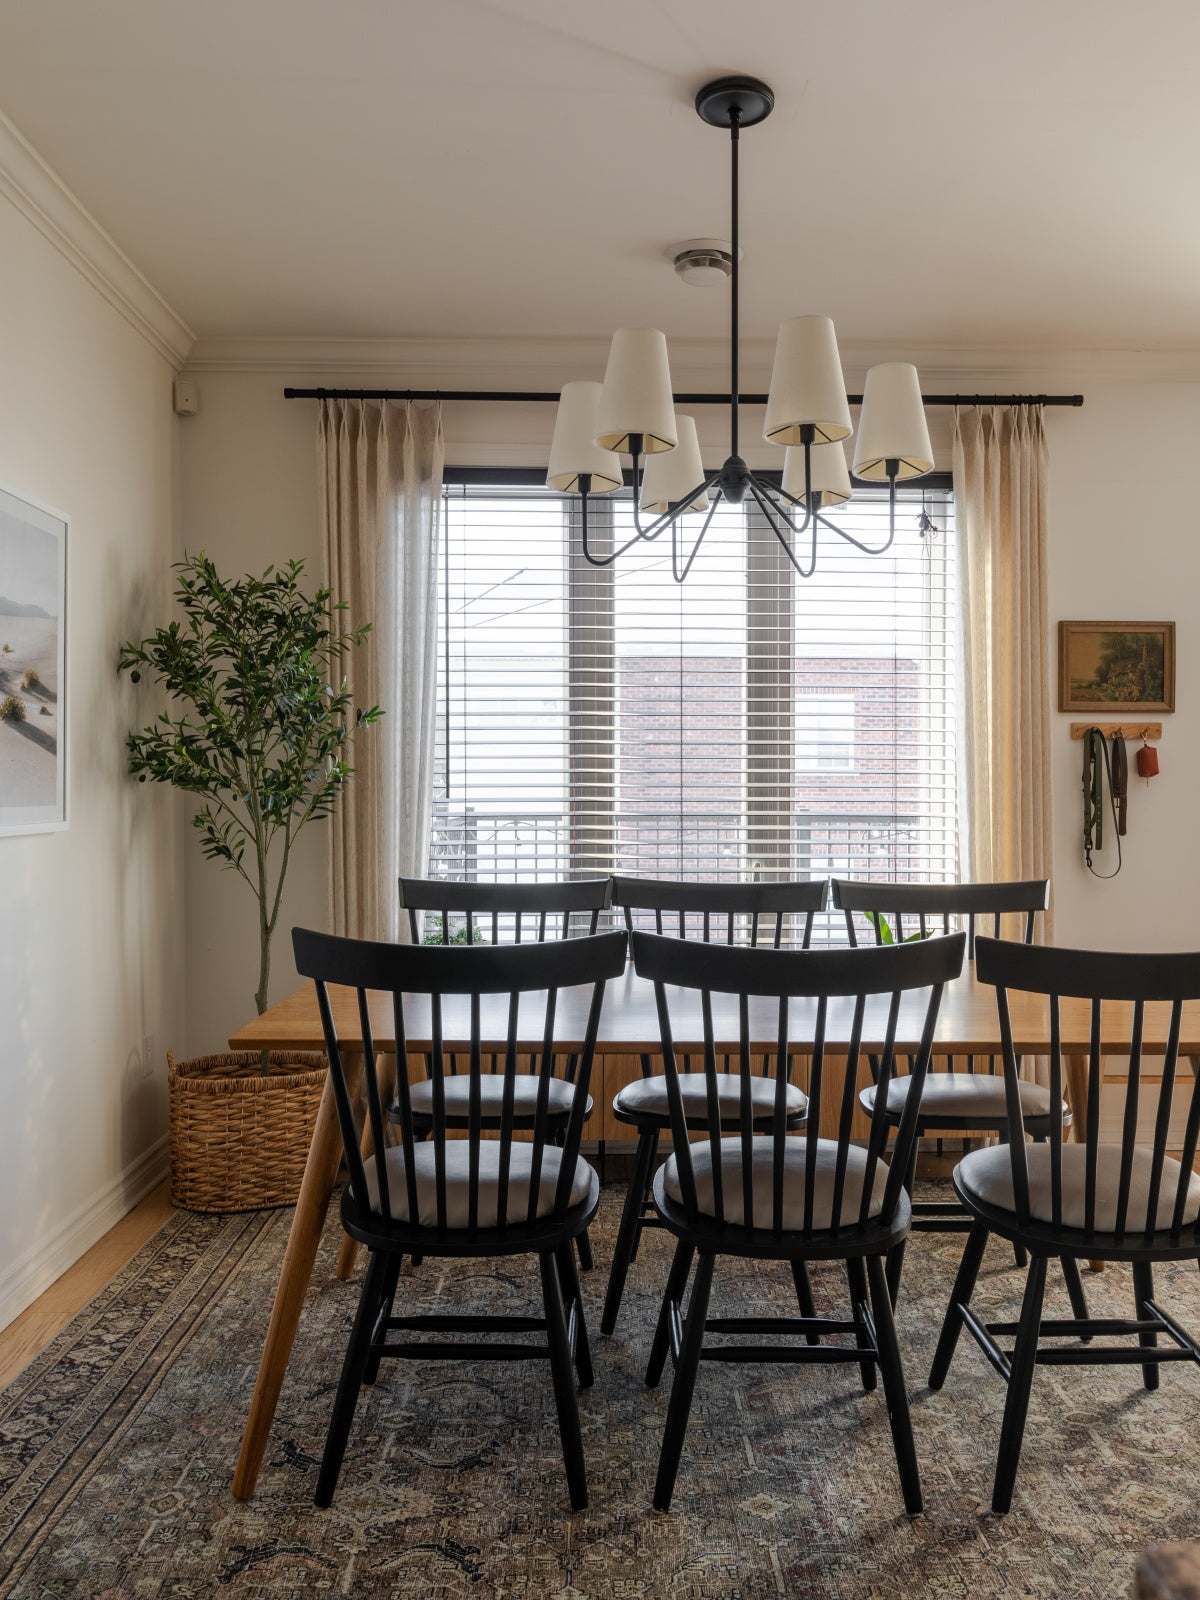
(44, 200)
(547, 363)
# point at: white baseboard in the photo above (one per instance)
(49, 1257)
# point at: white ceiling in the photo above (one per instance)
(936, 171)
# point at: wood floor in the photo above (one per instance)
(38, 1323)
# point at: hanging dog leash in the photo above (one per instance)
(1097, 767)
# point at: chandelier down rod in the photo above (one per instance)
(552, 396)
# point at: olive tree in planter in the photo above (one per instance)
(259, 729)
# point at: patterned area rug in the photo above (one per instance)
(117, 1444)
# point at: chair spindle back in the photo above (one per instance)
(782, 977)
(481, 992)
(915, 910)
(1100, 977)
(730, 913)
(536, 911)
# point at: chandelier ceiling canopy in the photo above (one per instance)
(633, 413)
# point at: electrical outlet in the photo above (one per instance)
(147, 1055)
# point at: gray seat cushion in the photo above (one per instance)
(763, 1169)
(971, 1094)
(491, 1092)
(647, 1097)
(987, 1176)
(458, 1185)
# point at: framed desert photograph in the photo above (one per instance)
(33, 642)
(1125, 666)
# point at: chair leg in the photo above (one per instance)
(960, 1295)
(357, 1354)
(892, 1371)
(804, 1295)
(677, 1279)
(1020, 1256)
(387, 1293)
(895, 1256)
(857, 1277)
(568, 1280)
(680, 1405)
(627, 1233)
(1079, 1307)
(1143, 1290)
(583, 1244)
(1020, 1381)
(564, 1382)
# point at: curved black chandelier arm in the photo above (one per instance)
(675, 527)
(604, 561)
(775, 493)
(669, 518)
(600, 561)
(867, 549)
(772, 514)
(872, 549)
(674, 510)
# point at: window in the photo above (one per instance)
(824, 733)
(745, 723)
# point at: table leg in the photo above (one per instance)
(1077, 1095)
(320, 1175)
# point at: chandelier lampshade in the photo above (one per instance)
(636, 401)
(573, 454)
(807, 386)
(830, 479)
(670, 475)
(892, 426)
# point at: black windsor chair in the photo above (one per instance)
(436, 1192)
(1120, 1201)
(787, 1196)
(492, 913)
(512, 912)
(730, 913)
(969, 1101)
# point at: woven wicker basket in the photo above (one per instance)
(239, 1138)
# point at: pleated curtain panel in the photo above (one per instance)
(1000, 465)
(379, 468)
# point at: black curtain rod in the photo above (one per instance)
(549, 397)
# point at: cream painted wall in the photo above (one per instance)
(249, 497)
(93, 916)
(248, 490)
(1117, 552)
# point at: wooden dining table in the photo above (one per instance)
(967, 1025)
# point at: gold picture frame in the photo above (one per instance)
(1116, 666)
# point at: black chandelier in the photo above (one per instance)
(632, 413)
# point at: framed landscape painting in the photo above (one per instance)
(1116, 666)
(33, 641)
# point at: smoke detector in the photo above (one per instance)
(703, 262)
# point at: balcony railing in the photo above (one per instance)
(492, 846)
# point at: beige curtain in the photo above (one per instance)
(1000, 462)
(379, 468)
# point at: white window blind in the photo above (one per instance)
(746, 723)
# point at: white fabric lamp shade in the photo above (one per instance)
(572, 451)
(807, 386)
(636, 395)
(829, 475)
(670, 474)
(891, 424)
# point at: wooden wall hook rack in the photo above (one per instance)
(1119, 730)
